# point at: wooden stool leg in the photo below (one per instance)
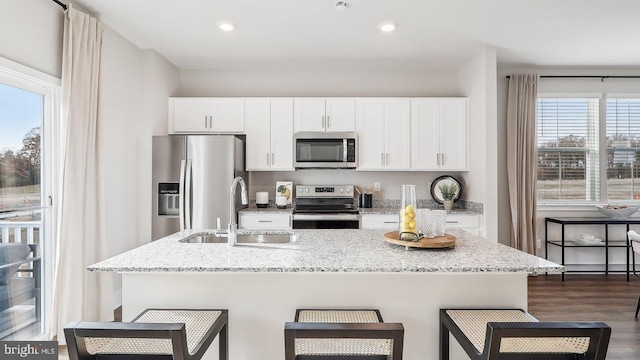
(638, 307)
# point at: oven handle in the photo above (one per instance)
(325, 217)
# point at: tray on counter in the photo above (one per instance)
(438, 242)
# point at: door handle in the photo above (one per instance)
(187, 196)
(181, 194)
(268, 159)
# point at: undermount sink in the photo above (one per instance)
(204, 238)
(209, 238)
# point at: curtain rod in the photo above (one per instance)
(601, 77)
(61, 4)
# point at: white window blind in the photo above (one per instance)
(567, 131)
(623, 140)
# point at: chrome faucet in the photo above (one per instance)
(230, 234)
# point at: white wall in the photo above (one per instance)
(550, 86)
(318, 83)
(476, 79)
(31, 34)
(134, 88)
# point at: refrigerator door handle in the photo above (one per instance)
(187, 196)
(181, 194)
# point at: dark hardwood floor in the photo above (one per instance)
(608, 298)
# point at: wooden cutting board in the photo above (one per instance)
(438, 242)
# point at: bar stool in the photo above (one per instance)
(156, 334)
(354, 334)
(515, 334)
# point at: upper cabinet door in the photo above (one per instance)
(309, 115)
(206, 115)
(398, 134)
(425, 134)
(258, 124)
(370, 127)
(454, 138)
(340, 115)
(189, 115)
(227, 115)
(282, 134)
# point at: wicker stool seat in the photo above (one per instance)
(318, 334)
(154, 334)
(515, 334)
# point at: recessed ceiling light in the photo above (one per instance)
(227, 26)
(387, 27)
(341, 5)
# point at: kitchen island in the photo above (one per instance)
(263, 284)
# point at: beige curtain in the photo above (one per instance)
(522, 153)
(78, 293)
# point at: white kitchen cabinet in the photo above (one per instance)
(324, 115)
(269, 129)
(384, 133)
(469, 222)
(206, 115)
(379, 221)
(439, 134)
(257, 221)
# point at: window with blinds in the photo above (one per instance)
(567, 131)
(623, 150)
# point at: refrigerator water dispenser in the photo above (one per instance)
(168, 199)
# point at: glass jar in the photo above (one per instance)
(408, 228)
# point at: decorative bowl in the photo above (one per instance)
(618, 212)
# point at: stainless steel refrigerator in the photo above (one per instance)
(192, 176)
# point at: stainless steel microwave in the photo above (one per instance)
(326, 151)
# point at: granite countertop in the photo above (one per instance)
(350, 250)
(393, 210)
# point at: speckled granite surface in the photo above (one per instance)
(469, 207)
(325, 251)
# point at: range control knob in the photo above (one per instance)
(306, 189)
(341, 190)
(348, 190)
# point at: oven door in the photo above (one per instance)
(326, 221)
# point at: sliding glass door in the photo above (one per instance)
(27, 110)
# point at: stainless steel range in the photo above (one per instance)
(325, 207)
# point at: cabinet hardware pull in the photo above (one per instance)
(382, 159)
(206, 120)
(265, 221)
(323, 121)
(441, 158)
(328, 121)
(387, 158)
(390, 222)
(268, 159)
(452, 222)
(273, 158)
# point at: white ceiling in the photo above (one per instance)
(309, 34)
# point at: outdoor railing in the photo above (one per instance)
(22, 231)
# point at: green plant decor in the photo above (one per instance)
(448, 191)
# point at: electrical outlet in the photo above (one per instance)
(376, 186)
